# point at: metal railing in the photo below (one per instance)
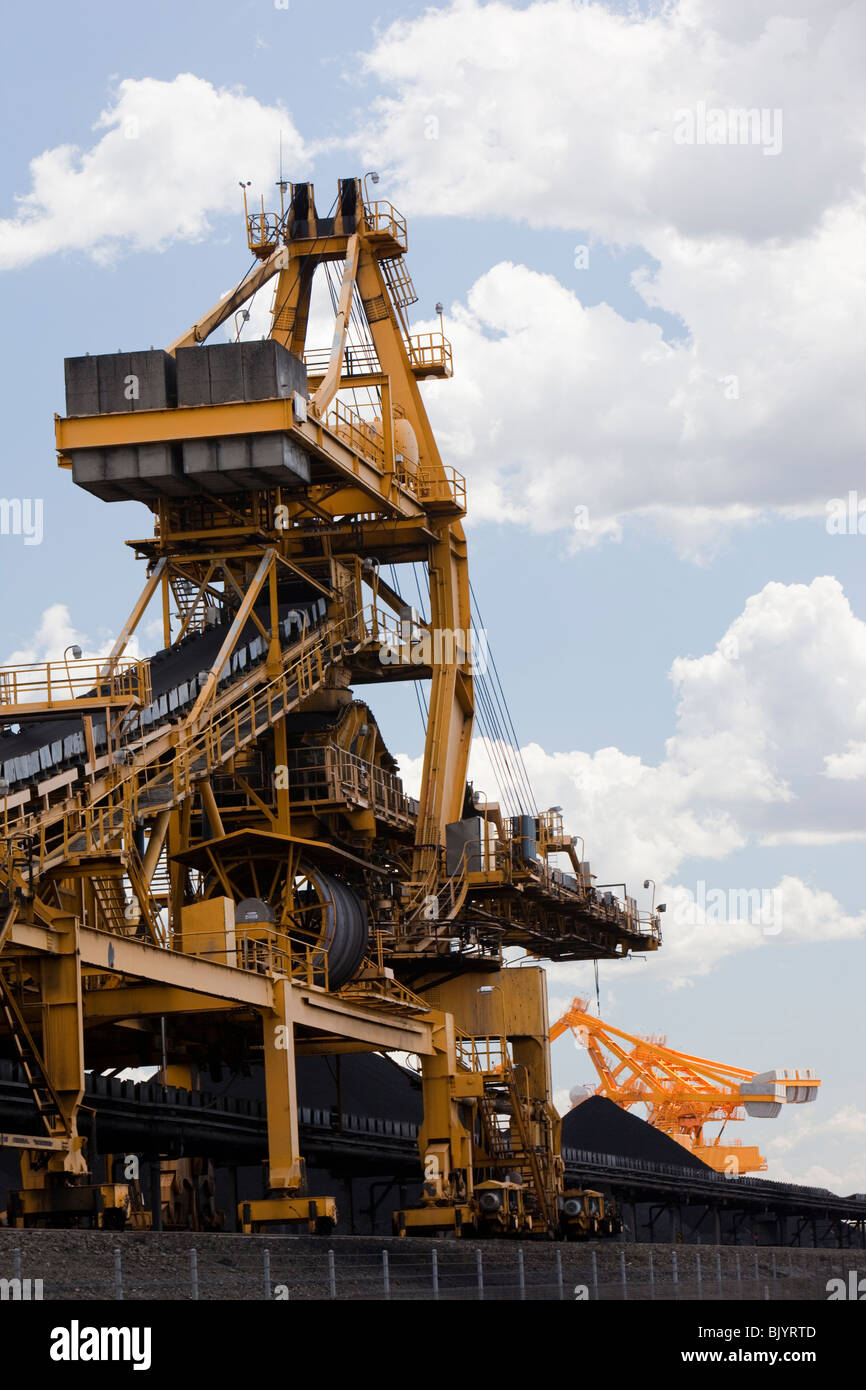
(261, 949)
(432, 488)
(355, 431)
(430, 351)
(332, 774)
(264, 231)
(139, 791)
(357, 360)
(383, 219)
(94, 681)
(426, 352)
(431, 901)
(490, 1053)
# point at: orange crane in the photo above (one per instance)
(683, 1093)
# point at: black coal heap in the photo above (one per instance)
(599, 1125)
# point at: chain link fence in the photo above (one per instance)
(297, 1268)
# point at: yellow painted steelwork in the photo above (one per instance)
(187, 882)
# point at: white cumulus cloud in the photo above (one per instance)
(754, 722)
(168, 158)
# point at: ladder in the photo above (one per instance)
(494, 1138)
(44, 1095)
(531, 1167)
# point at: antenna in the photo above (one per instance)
(281, 183)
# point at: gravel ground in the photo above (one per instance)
(81, 1266)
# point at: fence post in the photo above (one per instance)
(479, 1268)
(193, 1273)
(623, 1275)
(434, 1259)
(559, 1280)
(594, 1259)
(386, 1274)
(652, 1277)
(266, 1264)
(719, 1273)
(118, 1276)
(773, 1275)
(698, 1271)
(675, 1273)
(521, 1272)
(757, 1275)
(739, 1276)
(332, 1275)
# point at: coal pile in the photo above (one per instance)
(366, 1083)
(601, 1126)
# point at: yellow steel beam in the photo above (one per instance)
(285, 1166)
(172, 971)
(123, 956)
(134, 618)
(142, 1001)
(34, 1141)
(328, 1013)
(63, 1024)
(236, 417)
(158, 832)
(240, 621)
(224, 308)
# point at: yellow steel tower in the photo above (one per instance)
(210, 851)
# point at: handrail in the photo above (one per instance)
(335, 772)
(355, 356)
(383, 217)
(357, 432)
(261, 948)
(454, 888)
(424, 350)
(430, 350)
(63, 684)
(433, 487)
(130, 796)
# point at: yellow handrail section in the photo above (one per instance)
(92, 683)
(428, 351)
(355, 431)
(382, 218)
(140, 791)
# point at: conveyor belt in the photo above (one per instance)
(46, 747)
(146, 1116)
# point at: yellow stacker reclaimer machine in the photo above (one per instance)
(210, 852)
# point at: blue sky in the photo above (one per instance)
(608, 387)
